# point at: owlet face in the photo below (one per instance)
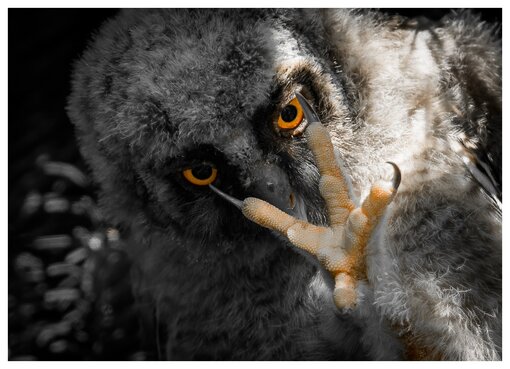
(181, 100)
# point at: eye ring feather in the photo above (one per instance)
(201, 175)
(291, 115)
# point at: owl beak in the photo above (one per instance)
(297, 206)
(268, 182)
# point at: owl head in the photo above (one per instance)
(167, 102)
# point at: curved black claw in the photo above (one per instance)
(397, 177)
(308, 111)
(237, 203)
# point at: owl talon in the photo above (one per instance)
(339, 248)
(308, 111)
(237, 203)
(397, 176)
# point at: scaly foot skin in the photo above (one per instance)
(339, 248)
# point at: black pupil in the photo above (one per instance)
(202, 172)
(289, 113)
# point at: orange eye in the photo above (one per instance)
(291, 115)
(201, 175)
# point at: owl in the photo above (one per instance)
(301, 184)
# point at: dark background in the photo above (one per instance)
(69, 295)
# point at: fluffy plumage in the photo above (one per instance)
(160, 89)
